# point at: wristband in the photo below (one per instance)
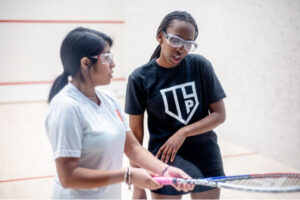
(164, 171)
(127, 177)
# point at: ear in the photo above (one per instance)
(85, 64)
(159, 37)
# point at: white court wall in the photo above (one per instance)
(253, 45)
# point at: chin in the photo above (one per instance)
(172, 64)
(107, 82)
(104, 83)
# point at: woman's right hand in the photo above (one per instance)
(143, 179)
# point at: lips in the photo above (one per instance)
(176, 58)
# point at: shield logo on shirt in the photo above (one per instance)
(180, 101)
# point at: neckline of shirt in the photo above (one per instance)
(94, 104)
(177, 67)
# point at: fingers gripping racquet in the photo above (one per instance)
(272, 182)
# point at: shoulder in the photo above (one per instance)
(61, 110)
(199, 63)
(65, 100)
(63, 103)
(143, 70)
(198, 60)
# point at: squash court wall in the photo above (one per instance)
(253, 45)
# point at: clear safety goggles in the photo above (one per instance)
(106, 58)
(177, 42)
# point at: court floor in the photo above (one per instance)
(27, 167)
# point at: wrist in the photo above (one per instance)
(163, 172)
(127, 177)
(184, 132)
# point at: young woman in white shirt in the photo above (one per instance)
(87, 128)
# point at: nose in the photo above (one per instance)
(112, 64)
(181, 48)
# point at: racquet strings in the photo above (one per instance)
(266, 181)
(274, 182)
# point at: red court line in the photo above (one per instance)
(51, 176)
(63, 21)
(43, 82)
(239, 155)
(26, 179)
(25, 83)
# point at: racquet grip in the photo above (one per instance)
(164, 180)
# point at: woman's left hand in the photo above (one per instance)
(169, 150)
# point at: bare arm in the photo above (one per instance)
(143, 158)
(137, 154)
(73, 176)
(216, 117)
(136, 123)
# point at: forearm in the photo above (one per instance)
(204, 125)
(139, 136)
(88, 178)
(141, 156)
(136, 123)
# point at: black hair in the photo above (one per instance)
(167, 20)
(80, 42)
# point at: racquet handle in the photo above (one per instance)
(164, 180)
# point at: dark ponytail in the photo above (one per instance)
(58, 84)
(80, 42)
(156, 52)
(167, 20)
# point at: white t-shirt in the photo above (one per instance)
(78, 127)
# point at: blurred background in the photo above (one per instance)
(254, 47)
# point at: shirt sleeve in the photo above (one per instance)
(215, 90)
(64, 130)
(135, 102)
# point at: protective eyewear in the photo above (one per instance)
(106, 58)
(177, 42)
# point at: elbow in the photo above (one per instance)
(66, 168)
(66, 182)
(222, 118)
(128, 150)
(132, 146)
(132, 152)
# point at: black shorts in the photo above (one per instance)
(199, 157)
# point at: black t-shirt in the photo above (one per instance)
(173, 97)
